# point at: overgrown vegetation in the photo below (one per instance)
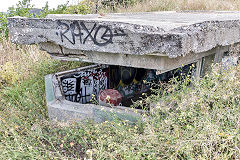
(197, 122)
(173, 5)
(23, 8)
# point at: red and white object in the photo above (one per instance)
(110, 97)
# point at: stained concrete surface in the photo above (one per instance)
(169, 33)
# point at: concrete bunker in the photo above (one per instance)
(74, 94)
(127, 49)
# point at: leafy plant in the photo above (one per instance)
(23, 8)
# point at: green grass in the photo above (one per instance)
(197, 122)
(201, 122)
(23, 115)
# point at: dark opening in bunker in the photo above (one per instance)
(85, 84)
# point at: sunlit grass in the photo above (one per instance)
(201, 122)
(173, 5)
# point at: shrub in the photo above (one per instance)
(24, 7)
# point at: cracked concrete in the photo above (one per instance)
(169, 33)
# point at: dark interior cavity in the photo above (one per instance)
(84, 86)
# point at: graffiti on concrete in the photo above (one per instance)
(100, 35)
(129, 81)
(121, 76)
(81, 86)
(137, 87)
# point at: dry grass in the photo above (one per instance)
(166, 5)
(17, 61)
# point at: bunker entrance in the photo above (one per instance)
(85, 85)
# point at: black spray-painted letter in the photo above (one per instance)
(100, 35)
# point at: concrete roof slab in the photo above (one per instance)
(171, 33)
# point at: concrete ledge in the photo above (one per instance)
(161, 63)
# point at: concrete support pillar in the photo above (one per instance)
(199, 66)
(220, 53)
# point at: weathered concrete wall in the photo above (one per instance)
(160, 33)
